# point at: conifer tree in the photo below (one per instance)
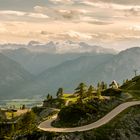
(99, 93)
(103, 86)
(81, 90)
(59, 93)
(49, 97)
(90, 90)
(98, 85)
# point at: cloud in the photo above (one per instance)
(40, 9)
(3, 30)
(124, 2)
(132, 37)
(77, 35)
(132, 12)
(105, 21)
(36, 15)
(68, 35)
(106, 5)
(58, 13)
(61, 1)
(45, 33)
(134, 28)
(16, 14)
(93, 20)
(75, 14)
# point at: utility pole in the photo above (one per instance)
(135, 71)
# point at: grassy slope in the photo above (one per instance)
(69, 98)
(133, 87)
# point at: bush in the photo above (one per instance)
(112, 92)
(37, 110)
(71, 114)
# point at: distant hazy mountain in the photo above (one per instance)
(120, 67)
(71, 47)
(68, 47)
(69, 69)
(36, 57)
(60, 47)
(90, 69)
(68, 74)
(12, 77)
(37, 62)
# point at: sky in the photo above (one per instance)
(109, 23)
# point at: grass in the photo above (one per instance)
(70, 98)
(66, 95)
(93, 97)
(11, 115)
(132, 87)
(135, 94)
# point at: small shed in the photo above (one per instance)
(114, 85)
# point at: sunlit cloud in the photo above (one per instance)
(36, 15)
(40, 9)
(134, 28)
(76, 35)
(9, 12)
(3, 30)
(104, 22)
(62, 1)
(110, 5)
(93, 20)
(16, 14)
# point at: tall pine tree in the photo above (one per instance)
(59, 93)
(90, 91)
(81, 90)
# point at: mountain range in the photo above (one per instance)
(59, 47)
(91, 70)
(37, 57)
(12, 77)
(51, 70)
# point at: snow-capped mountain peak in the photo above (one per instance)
(60, 47)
